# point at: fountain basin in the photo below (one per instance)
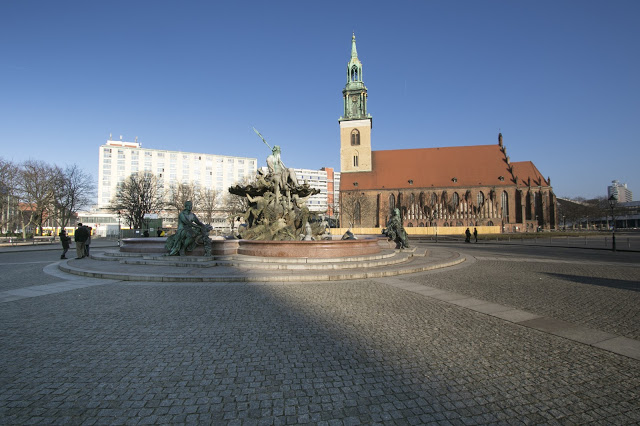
(313, 249)
(152, 245)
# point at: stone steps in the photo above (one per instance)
(387, 257)
(237, 269)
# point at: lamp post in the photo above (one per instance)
(119, 229)
(613, 200)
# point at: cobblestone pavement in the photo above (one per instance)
(594, 292)
(356, 352)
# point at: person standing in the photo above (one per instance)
(88, 242)
(475, 234)
(65, 240)
(80, 236)
(467, 236)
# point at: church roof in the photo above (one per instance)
(450, 167)
(525, 170)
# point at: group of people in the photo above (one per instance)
(82, 238)
(467, 234)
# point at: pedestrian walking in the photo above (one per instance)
(467, 235)
(475, 234)
(88, 242)
(65, 240)
(80, 236)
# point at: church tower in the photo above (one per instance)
(356, 123)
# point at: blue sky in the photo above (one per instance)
(560, 80)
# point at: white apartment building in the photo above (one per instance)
(325, 180)
(620, 190)
(119, 159)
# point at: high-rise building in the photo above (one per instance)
(328, 183)
(620, 190)
(119, 159)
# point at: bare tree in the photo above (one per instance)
(577, 210)
(36, 188)
(208, 203)
(179, 193)
(136, 196)
(74, 189)
(356, 208)
(8, 198)
(234, 206)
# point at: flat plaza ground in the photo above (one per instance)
(350, 352)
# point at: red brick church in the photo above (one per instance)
(434, 187)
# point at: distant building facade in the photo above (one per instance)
(119, 159)
(327, 181)
(452, 186)
(621, 192)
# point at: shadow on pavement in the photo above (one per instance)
(602, 282)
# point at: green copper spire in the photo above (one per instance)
(354, 52)
(355, 92)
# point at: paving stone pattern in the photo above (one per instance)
(603, 296)
(343, 353)
(16, 273)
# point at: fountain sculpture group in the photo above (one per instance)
(278, 205)
(277, 211)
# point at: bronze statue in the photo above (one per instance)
(277, 204)
(395, 231)
(189, 230)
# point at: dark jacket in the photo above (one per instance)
(65, 240)
(81, 234)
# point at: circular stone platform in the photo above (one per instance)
(129, 266)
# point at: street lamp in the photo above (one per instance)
(613, 200)
(119, 229)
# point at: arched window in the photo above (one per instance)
(434, 199)
(354, 73)
(480, 198)
(355, 137)
(455, 200)
(355, 160)
(538, 207)
(392, 202)
(505, 206)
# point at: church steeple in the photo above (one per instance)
(354, 52)
(355, 123)
(355, 92)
